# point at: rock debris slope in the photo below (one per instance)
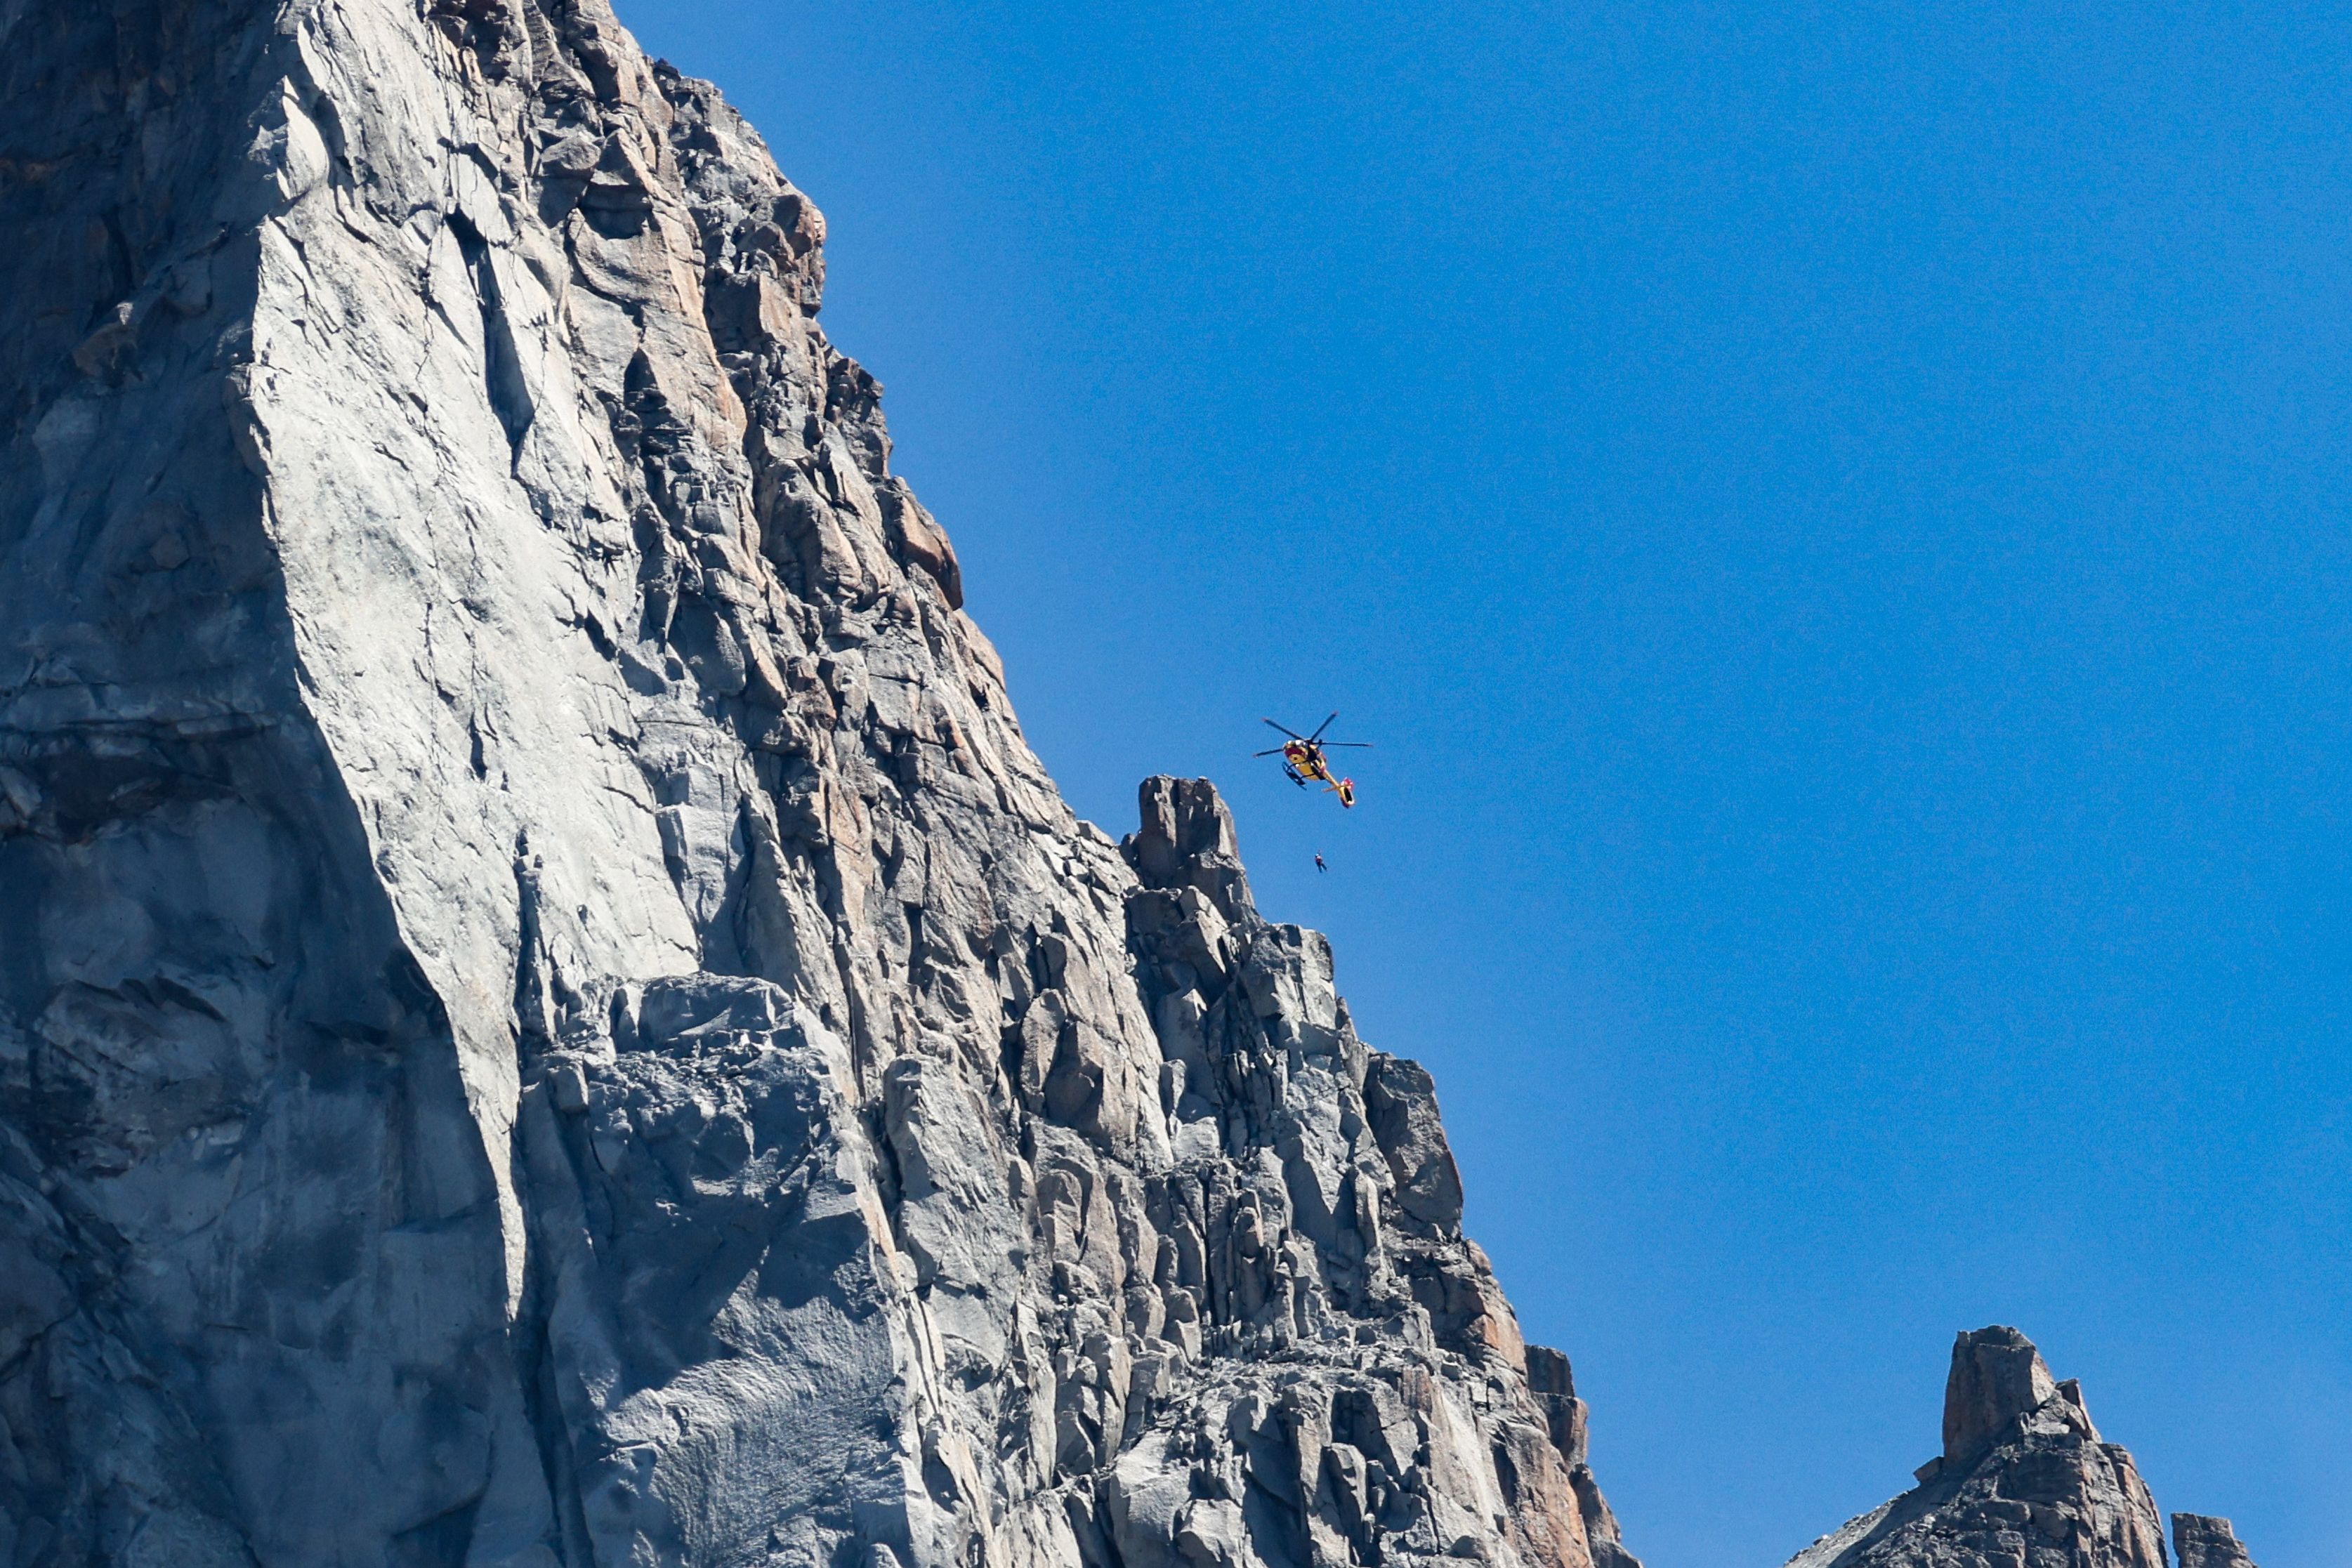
(2024, 1481)
(548, 1014)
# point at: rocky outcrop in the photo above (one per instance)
(2199, 1540)
(1998, 1378)
(1313, 1233)
(2024, 1479)
(1553, 1383)
(548, 1014)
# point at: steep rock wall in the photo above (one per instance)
(548, 1014)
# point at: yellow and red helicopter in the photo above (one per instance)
(1303, 759)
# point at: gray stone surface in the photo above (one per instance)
(548, 1014)
(2201, 1540)
(1997, 1378)
(2024, 1481)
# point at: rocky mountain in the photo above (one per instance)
(2024, 1481)
(548, 1014)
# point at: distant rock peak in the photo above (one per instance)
(2024, 1481)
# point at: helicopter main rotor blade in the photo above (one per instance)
(1361, 744)
(1324, 725)
(1275, 752)
(1285, 729)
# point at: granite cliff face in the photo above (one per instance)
(2024, 1481)
(548, 1014)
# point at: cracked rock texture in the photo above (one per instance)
(2024, 1481)
(548, 1014)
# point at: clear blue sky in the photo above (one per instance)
(1836, 518)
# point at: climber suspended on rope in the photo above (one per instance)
(1303, 759)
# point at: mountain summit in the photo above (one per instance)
(2024, 1481)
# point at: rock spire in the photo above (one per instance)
(2024, 1481)
(2201, 1541)
(1998, 1379)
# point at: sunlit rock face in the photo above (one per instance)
(548, 1014)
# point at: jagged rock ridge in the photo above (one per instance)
(2024, 1481)
(548, 1014)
